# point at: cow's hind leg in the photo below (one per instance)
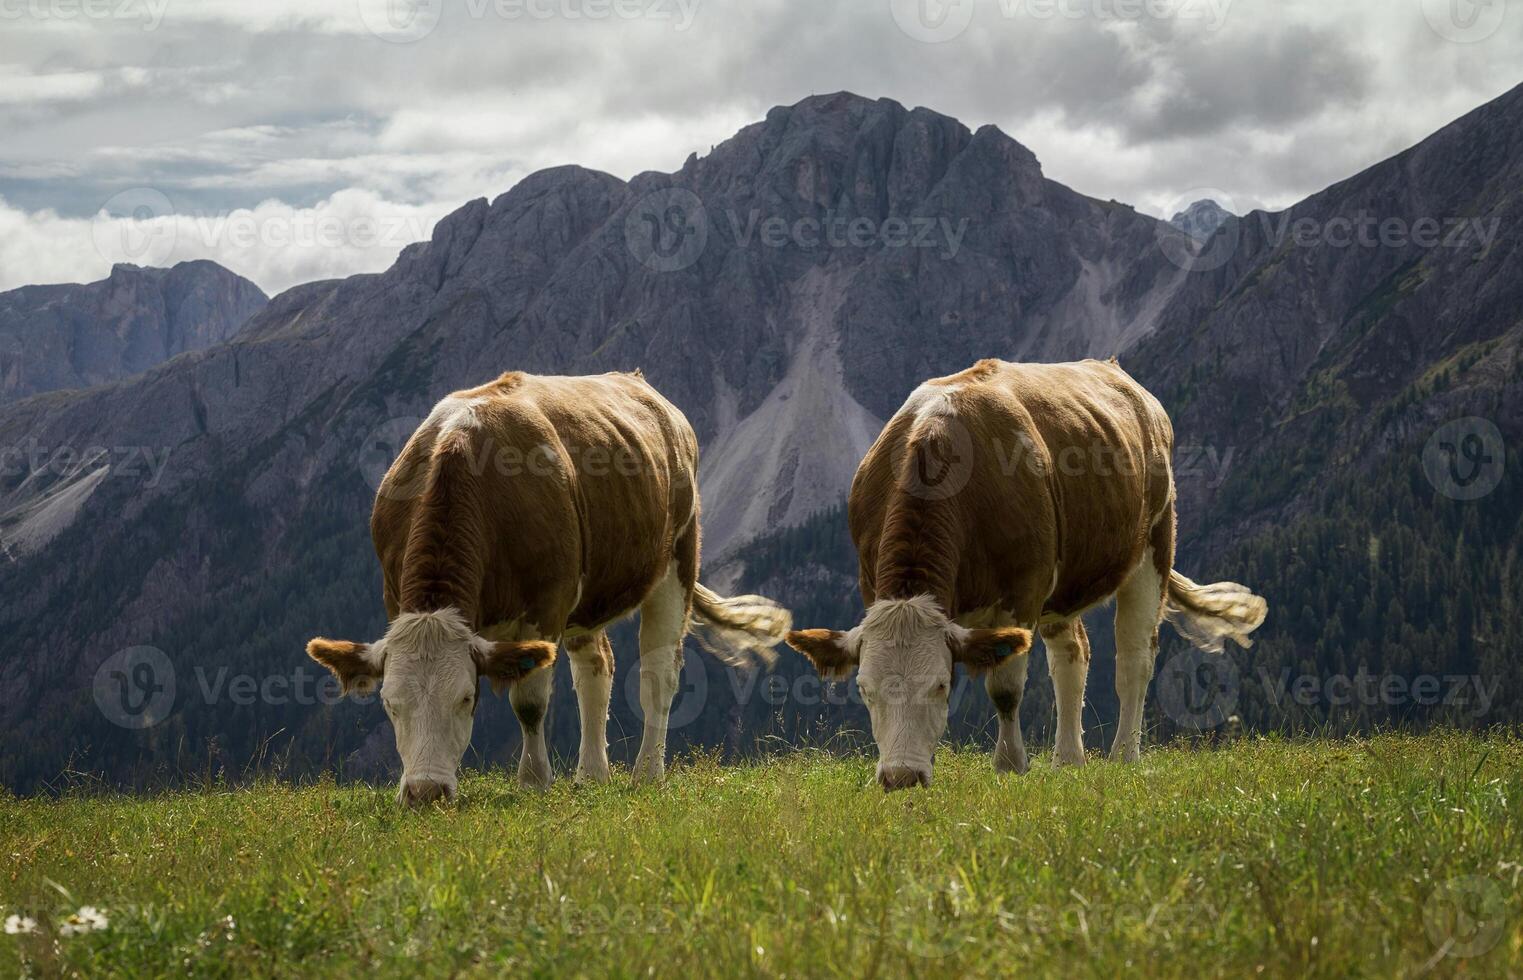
(1139, 609)
(1068, 662)
(663, 622)
(1006, 684)
(592, 676)
(530, 698)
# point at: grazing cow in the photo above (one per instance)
(1006, 499)
(526, 512)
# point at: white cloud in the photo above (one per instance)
(551, 132)
(19, 87)
(274, 244)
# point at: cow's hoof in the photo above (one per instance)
(1127, 754)
(1064, 758)
(1011, 762)
(1018, 765)
(533, 775)
(592, 775)
(649, 772)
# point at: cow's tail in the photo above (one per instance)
(739, 630)
(1209, 615)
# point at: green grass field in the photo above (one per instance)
(1397, 856)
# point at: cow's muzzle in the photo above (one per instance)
(902, 777)
(421, 792)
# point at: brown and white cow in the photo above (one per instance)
(523, 513)
(1006, 499)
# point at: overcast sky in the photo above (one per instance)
(296, 139)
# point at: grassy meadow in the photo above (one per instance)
(1393, 856)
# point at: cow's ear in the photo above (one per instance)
(505, 664)
(358, 666)
(833, 653)
(982, 650)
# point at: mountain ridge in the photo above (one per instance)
(76, 335)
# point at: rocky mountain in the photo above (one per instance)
(1201, 219)
(73, 336)
(1359, 357)
(787, 291)
(1336, 327)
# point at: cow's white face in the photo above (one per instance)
(904, 651)
(906, 687)
(430, 697)
(429, 667)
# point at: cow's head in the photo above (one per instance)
(429, 667)
(904, 651)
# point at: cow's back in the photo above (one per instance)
(1054, 477)
(566, 492)
(635, 461)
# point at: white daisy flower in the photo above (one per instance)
(87, 919)
(20, 925)
(94, 918)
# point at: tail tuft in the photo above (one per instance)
(1209, 615)
(741, 630)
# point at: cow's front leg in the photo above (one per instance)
(663, 621)
(1068, 663)
(592, 676)
(530, 698)
(1005, 684)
